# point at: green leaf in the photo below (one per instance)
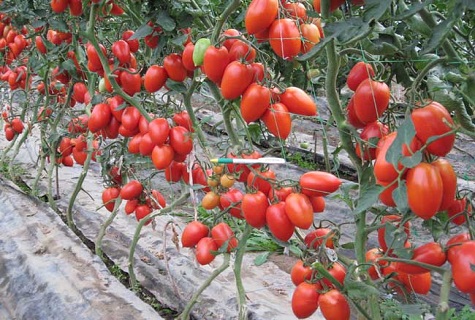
(412, 10)
(369, 197)
(405, 134)
(413, 160)
(261, 259)
(395, 236)
(165, 21)
(440, 33)
(348, 245)
(176, 86)
(359, 290)
(142, 32)
(374, 9)
(400, 197)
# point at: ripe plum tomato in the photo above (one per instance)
(174, 67)
(130, 81)
(334, 4)
(315, 238)
(108, 197)
(175, 171)
(359, 72)
(241, 50)
(59, 6)
(310, 36)
(100, 117)
(318, 204)
(180, 140)
(371, 256)
(299, 210)
(254, 206)
(228, 42)
(193, 233)
(183, 119)
(155, 78)
(222, 233)
(319, 183)
(462, 267)
(433, 120)
(351, 114)
(187, 57)
(298, 102)
(260, 15)
(204, 249)
(284, 38)
(424, 182)
(300, 273)
(337, 271)
(261, 180)
(371, 99)
(334, 305)
(278, 221)
(141, 211)
(431, 253)
(456, 211)
(121, 51)
(236, 79)
(449, 182)
(366, 149)
(162, 156)
(131, 190)
(158, 130)
(146, 145)
(454, 243)
(277, 120)
(418, 283)
(305, 299)
(232, 200)
(386, 196)
(134, 44)
(215, 62)
(279, 193)
(255, 102)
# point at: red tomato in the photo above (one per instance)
(255, 102)
(228, 43)
(131, 81)
(141, 211)
(146, 145)
(241, 50)
(284, 38)
(315, 238)
(424, 182)
(433, 120)
(108, 197)
(278, 221)
(130, 206)
(183, 119)
(277, 120)
(299, 210)
(131, 190)
(159, 129)
(334, 4)
(174, 172)
(371, 132)
(259, 71)
(79, 91)
(215, 61)
(318, 204)
(222, 234)
(174, 67)
(121, 51)
(462, 267)
(40, 45)
(300, 273)
(279, 193)
(318, 183)
(155, 78)
(431, 253)
(100, 117)
(133, 43)
(449, 182)
(232, 200)
(162, 156)
(454, 243)
(334, 305)
(457, 209)
(351, 114)
(254, 206)
(180, 140)
(305, 299)
(94, 63)
(204, 250)
(298, 102)
(358, 73)
(65, 146)
(68, 161)
(236, 78)
(187, 57)
(373, 256)
(310, 36)
(337, 271)
(193, 233)
(261, 180)
(130, 118)
(17, 125)
(418, 283)
(295, 10)
(386, 196)
(260, 15)
(157, 200)
(371, 99)
(59, 6)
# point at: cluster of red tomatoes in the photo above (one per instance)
(76, 7)
(12, 126)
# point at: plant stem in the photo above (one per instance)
(237, 272)
(443, 307)
(417, 263)
(233, 5)
(102, 230)
(185, 315)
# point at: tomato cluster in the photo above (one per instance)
(12, 126)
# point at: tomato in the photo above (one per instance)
(351, 114)
(334, 4)
(174, 67)
(133, 146)
(371, 99)
(318, 183)
(337, 271)
(261, 180)
(236, 78)
(298, 102)
(93, 58)
(254, 206)
(373, 256)
(130, 206)
(315, 238)
(449, 182)
(255, 101)
(68, 161)
(40, 45)
(100, 117)
(227, 180)
(210, 200)
(431, 253)
(108, 197)
(162, 156)
(133, 43)
(433, 120)
(260, 15)
(131, 81)
(173, 173)
(187, 57)
(193, 233)
(318, 204)
(462, 267)
(155, 78)
(305, 299)
(418, 283)
(334, 305)
(299, 210)
(65, 146)
(183, 119)
(59, 6)
(79, 91)
(215, 62)
(204, 250)
(241, 50)
(180, 140)
(278, 221)
(130, 118)
(222, 234)
(131, 190)
(310, 36)
(454, 243)
(17, 125)
(295, 10)
(228, 42)
(121, 51)
(278, 121)
(259, 71)
(358, 73)
(279, 193)
(424, 182)
(386, 196)
(457, 209)
(141, 211)
(300, 273)
(146, 145)
(231, 200)
(393, 219)
(370, 135)
(284, 38)
(198, 52)
(158, 129)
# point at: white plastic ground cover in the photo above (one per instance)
(46, 272)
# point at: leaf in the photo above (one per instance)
(369, 197)
(413, 9)
(165, 21)
(176, 86)
(405, 134)
(261, 259)
(348, 245)
(400, 197)
(413, 160)
(440, 33)
(374, 9)
(359, 290)
(142, 32)
(395, 237)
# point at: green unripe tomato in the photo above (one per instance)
(102, 85)
(199, 52)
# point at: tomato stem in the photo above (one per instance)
(233, 5)
(443, 307)
(237, 271)
(102, 230)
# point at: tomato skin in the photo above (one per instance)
(210, 200)
(255, 102)
(146, 145)
(215, 62)
(278, 221)
(449, 182)
(284, 38)
(334, 4)
(141, 211)
(371, 256)
(315, 238)
(121, 51)
(241, 50)
(318, 183)
(183, 119)
(386, 196)
(174, 172)
(334, 305)
(430, 253)
(456, 208)
(260, 15)
(318, 204)
(261, 180)
(134, 44)
(462, 273)
(130, 81)
(222, 233)
(162, 156)
(351, 114)
(279, 193)
(79, 90)
(371, 100)
(358, 73)
(155, 78)
(298, 102)
(374, 130)
(433, 120)
(131, 190)
(193, 233)
(108, 197)
(159, 129)
(232, 198)
(453, 244)
(278, 121)
(204, 249)
(254, 206)
(337, 271)
(100, 117)
(59, 6)
(300, 273)
(180, 140)
(174, 66)
(299, 210)
(17, 125)
(418, 283)
(310, 35)
(424, 182)
(187, 57)
(305, 299)
(236, 78)
(130, 118)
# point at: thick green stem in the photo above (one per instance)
(233, 5)
(102, 230)
(443, 307)
(417, 263)
(237, 272)
(185, 315)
